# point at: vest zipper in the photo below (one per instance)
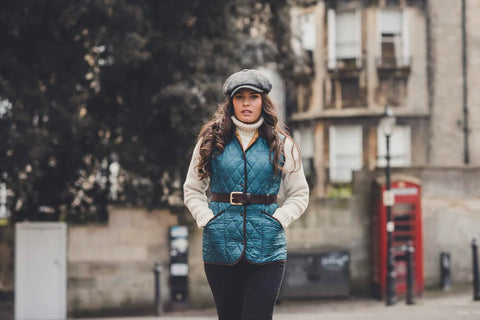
(244, 242)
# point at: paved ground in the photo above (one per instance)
(432, 306)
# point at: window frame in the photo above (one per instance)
(403, 58)
(332, 43)
(333, 146)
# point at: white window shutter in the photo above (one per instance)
(406, 38)
(391, 21)
(332, 55)
(308, 144)
(305, 139)
(346, 36)
(402, 147)
(345, 151)
(308, 32)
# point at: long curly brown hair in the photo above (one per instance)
(217, 133)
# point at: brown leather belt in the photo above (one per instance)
(240, 198)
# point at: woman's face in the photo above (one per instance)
(247, 105)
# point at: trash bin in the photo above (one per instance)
(316, 274)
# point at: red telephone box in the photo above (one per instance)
(407, 218)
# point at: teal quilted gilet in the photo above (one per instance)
(244, 230)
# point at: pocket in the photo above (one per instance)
(273, 241)
(208, 239)
(215, 217)
(272, 218)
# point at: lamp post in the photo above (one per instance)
(387, 122)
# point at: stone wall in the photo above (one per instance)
(447, 137)
(338, 224)
(473, 69)
(200, 294)
(110, 267)
(451, 218)
(7, 258)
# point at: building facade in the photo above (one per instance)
(364, 55)
(421, 59)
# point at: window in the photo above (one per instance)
(400, 147)
(345, 152)
(306, 30)
(305, 139)
(304, 33)
(347, 93)
(344, 38)
(304, 97)
(391, 90)
(393, 37)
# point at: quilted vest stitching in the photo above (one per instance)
(244, 230)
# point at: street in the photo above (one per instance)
(432, 306)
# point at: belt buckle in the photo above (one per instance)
(231, 198)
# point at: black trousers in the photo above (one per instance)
(245, 291)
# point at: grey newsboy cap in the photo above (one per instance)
(247, 78)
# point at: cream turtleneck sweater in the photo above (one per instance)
(246, 131)
(292, 196)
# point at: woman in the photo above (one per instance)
(258, 188)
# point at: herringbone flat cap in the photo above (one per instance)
(247, 78)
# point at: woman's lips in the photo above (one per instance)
(246, 112)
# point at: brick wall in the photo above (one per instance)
(110, 266)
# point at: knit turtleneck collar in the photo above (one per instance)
(247, 128)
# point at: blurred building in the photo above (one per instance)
(419, 57)
(365, 54)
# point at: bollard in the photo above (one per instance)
(391, 297)
(445, 273)
(476, 280)
(410, 279)
(157, 270)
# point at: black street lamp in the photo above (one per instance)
(387, 123)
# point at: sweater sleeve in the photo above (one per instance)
(194, 192)
(294, 191)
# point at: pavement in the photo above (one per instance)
(456, 304)
(433, 305)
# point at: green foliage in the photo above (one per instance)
(96, 81)
(340, 192)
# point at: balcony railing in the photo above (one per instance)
(339, 64)
(397, 62)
